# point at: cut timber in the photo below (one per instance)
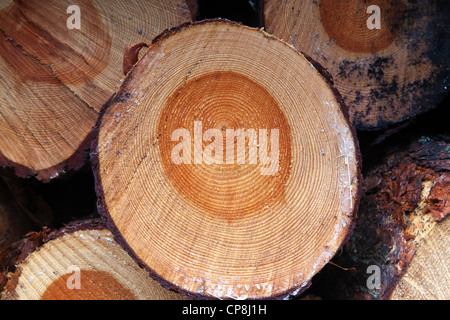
(428, 275)
(385, 75)
(55, 79)
(407, 199)
(216, 223)
(80, 262)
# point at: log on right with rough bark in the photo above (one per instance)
(399, 248)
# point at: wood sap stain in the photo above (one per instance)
(346, 23)
(36, 45)
(94, 285)
(222, 101)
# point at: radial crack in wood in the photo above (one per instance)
(226, 164)
(55, 78)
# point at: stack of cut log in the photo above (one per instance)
(154, 150)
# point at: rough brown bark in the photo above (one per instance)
(405, 203)
(427, 276)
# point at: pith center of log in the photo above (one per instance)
(232, 148)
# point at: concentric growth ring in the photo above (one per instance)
(225, 165)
